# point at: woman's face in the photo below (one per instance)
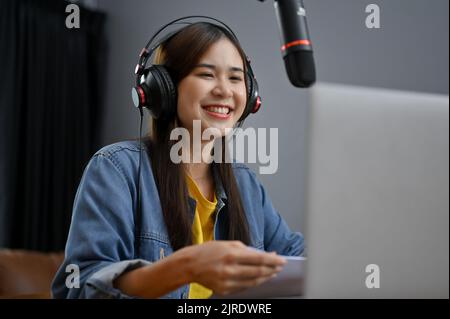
(214, 91)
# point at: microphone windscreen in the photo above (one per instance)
(300, 68)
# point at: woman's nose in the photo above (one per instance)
(222, 89)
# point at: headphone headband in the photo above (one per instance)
(146, 52)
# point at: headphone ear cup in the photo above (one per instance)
(160, 92)
(253, 100)
(168, 92)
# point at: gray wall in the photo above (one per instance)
(409, 52)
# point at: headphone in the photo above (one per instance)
(155, 88)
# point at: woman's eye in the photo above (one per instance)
(210, 75)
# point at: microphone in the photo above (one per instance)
(295, 43)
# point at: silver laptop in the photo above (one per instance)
(377, 208)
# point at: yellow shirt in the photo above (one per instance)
(202, 230)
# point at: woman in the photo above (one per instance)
(198, 219)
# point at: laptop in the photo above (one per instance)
(377, 201)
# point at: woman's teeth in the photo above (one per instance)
(218, 109)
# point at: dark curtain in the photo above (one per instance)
(50, 100)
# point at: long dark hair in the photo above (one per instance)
(180, 54)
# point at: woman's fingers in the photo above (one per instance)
(252, 257)
(231, 266)
(244, 272)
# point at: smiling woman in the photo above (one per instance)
(198, 219)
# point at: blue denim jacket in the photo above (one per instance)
(101, 236)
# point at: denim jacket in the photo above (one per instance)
(102, 234)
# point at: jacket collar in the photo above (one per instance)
(220, 193)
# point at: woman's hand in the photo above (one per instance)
(229, 266)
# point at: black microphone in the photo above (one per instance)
(295, 42)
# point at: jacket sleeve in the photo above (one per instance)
(101, 237)
(277, 234)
